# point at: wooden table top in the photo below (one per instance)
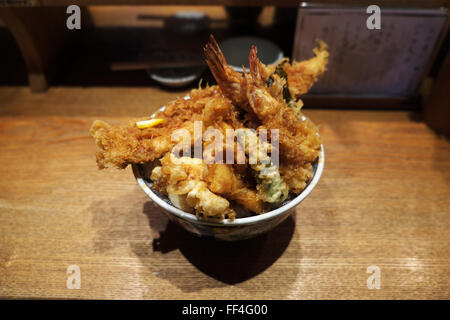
(383, 200)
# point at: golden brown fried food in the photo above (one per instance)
(122, 145)
(184, 181)
(299, 78)
(224, 181)
(261, 99)
(299, 140)
(296, 175)
(302, 75)
(231, 82)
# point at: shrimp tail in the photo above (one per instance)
(215, 59)
(246, 76)
(255, 66)
(230, 81)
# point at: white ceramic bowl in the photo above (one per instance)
(240, 228)
(174, 82)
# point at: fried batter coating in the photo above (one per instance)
(265, 98)
(302, 75)
(122, 145)
(231, 82)
(184, 181)
(299, 140)
(271, 187)
(224, 181)
(296, 175)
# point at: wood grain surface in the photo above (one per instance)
(384, 200)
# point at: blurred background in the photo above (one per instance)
(399, 66)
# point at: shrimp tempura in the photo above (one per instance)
(302, 75)
(298, 139)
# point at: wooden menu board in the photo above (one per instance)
(386, 63)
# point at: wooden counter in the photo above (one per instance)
(384, 200)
